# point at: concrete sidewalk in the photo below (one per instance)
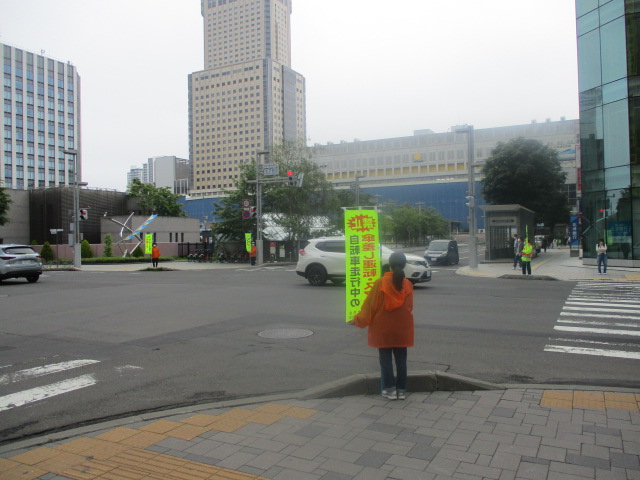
(557, 264)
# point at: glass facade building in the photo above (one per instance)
(609, 83)
(41, 118)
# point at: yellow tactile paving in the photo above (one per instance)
(119, 454)
(591, 400)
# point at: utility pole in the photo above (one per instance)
(471, 195)
(259, 246)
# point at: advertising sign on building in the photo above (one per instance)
(362, 248)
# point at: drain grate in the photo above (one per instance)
(285, 333)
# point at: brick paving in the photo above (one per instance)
(517, 433)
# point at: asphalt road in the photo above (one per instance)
(161, 339)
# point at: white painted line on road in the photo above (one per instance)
(597, 315)
(595, 342)
(36, 394)
(45, 370)
(606, 310)
(603, 331)
(607, 299)
(608, 324)
(593, 351)
(595, 302)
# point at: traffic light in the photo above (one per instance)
(471, 202)
(291, 180)
(254, 212)
(83, 214)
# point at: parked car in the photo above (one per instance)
(443, 252)
(324, 259)
(20, 261)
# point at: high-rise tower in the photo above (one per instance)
(248, 97)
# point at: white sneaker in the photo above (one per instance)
(401, 394)
(390, 394)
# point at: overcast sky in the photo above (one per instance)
(374, 68)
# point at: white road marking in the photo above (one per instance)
(44, 370)
(607, 310)
(36, 394)
(604, 331)
(593, 351)
(608, 324)
(597, 315)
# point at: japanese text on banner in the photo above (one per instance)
(148, 243)
(362, 248)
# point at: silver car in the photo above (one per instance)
(20, 261)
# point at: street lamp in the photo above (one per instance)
(473, 247)
(77, 257)
(358, 177)
(259, 246)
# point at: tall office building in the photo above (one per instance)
(248, 97)
(609, 84)
(41, 119)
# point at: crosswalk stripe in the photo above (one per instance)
(40, 393)
(605, 309)
(44, 370)
(593, 351)
(604, 331)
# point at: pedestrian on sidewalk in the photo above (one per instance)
(527, 255)
(601, 250)
(517, 249)
(253, 253)
(155, 255)
(388, 312)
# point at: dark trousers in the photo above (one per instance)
(387, 379)
(154, 262)
(526, 267)
(516, 260)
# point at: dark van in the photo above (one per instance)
(444, 252)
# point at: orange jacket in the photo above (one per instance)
(388, 313)
(155, 252)
(253, 251)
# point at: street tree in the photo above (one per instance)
(159, 200)
(526, 172)
(5, 201)
(409, 224)
(295, 210)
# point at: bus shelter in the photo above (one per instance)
(501, 223)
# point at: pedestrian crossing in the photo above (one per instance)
(601, 319)
(24, 386)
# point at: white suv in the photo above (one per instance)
(324, 259)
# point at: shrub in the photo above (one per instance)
(47, 252)
(138, 253)
(108, 246)
(85, 249)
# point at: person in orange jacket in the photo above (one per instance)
(253, 253)
(155, 255)
(388, 312)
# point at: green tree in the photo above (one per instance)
(108, 246)
(5, 201)
(137, 253)
(294, 209)
(152, 199)
(85, 249)
(528, 173)
(47, 252)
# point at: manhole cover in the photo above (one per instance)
(285, 333)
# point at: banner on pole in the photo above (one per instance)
(148, 243)
(362, 248)
(247, 241)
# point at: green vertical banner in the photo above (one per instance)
(148, 243)
(362, 248)
(247, 241)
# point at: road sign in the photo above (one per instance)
(246, 203)
(269, 169)
(246, 214)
